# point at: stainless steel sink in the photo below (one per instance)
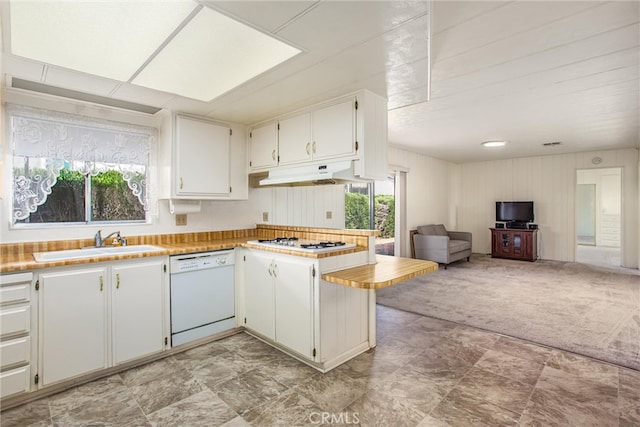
(93, 252)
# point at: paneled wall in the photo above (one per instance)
(550, 181)
(312, 206)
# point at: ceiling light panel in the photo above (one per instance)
(211, 55)
(107, 38)
(494, 144)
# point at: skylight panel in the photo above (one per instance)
(106, 38)
(211, 55)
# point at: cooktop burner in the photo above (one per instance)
(304, 246)
(284, 241)
(322, 245)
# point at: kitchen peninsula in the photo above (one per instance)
(318, 307)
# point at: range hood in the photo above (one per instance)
(317, 174)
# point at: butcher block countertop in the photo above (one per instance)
(387, 271)
(19, 256)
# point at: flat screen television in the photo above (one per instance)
(514, 212)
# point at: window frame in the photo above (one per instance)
(9, 154)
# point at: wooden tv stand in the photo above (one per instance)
(514, 243)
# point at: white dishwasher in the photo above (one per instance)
(202, 295)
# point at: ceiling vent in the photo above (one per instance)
(552, 144)
(81, 96)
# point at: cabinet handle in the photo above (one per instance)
(307, 148)
(275, 270)
(181, 183)
(117, 280)
(273, 154)
(101, 283)
(313, 147)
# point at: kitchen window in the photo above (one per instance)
(73, 169)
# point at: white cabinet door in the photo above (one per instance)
(334, 130)
(202, 157)
(264, 146)
(294, 140)
(73, 323)
(293, 304)
(259, 294)
(137, 309)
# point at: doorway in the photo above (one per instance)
(598, 216)
(372, 205)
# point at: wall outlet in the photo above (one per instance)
(265, 216)
(328, 215)
(181, 219)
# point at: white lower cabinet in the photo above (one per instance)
(259, 294)
(294, 286)
(92, 318)
(279, 293)
(322, 324)
(73, 323)
(16, 324)
(137, 310)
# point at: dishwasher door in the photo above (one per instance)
(202, 303)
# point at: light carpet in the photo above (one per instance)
(593, 311)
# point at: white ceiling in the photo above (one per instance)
(530, 72)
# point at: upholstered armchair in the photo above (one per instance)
(434, 243)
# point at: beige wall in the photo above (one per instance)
(550, 182)
(428, 189)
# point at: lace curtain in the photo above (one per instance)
(45, 142)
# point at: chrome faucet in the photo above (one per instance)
(100, 241)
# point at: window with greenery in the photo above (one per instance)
(69, 169)
(361, 214)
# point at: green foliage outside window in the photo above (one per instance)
(356, 211)
(113, 200)
(110, 197)
(356, 208)
(385, 215)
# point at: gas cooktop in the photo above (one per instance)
(293, 243)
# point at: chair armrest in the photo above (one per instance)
(460, 235)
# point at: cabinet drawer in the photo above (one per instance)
(15, 381)
(15, 320)
(18, 292)
(15, 351)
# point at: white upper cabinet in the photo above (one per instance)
(201, 159)
(324, 133)
(352, 127)
(294, 139)
(334, 131)
(263, 142)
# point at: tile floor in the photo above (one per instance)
(424, 372)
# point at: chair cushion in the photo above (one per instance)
(433, 230)
(458, 246)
